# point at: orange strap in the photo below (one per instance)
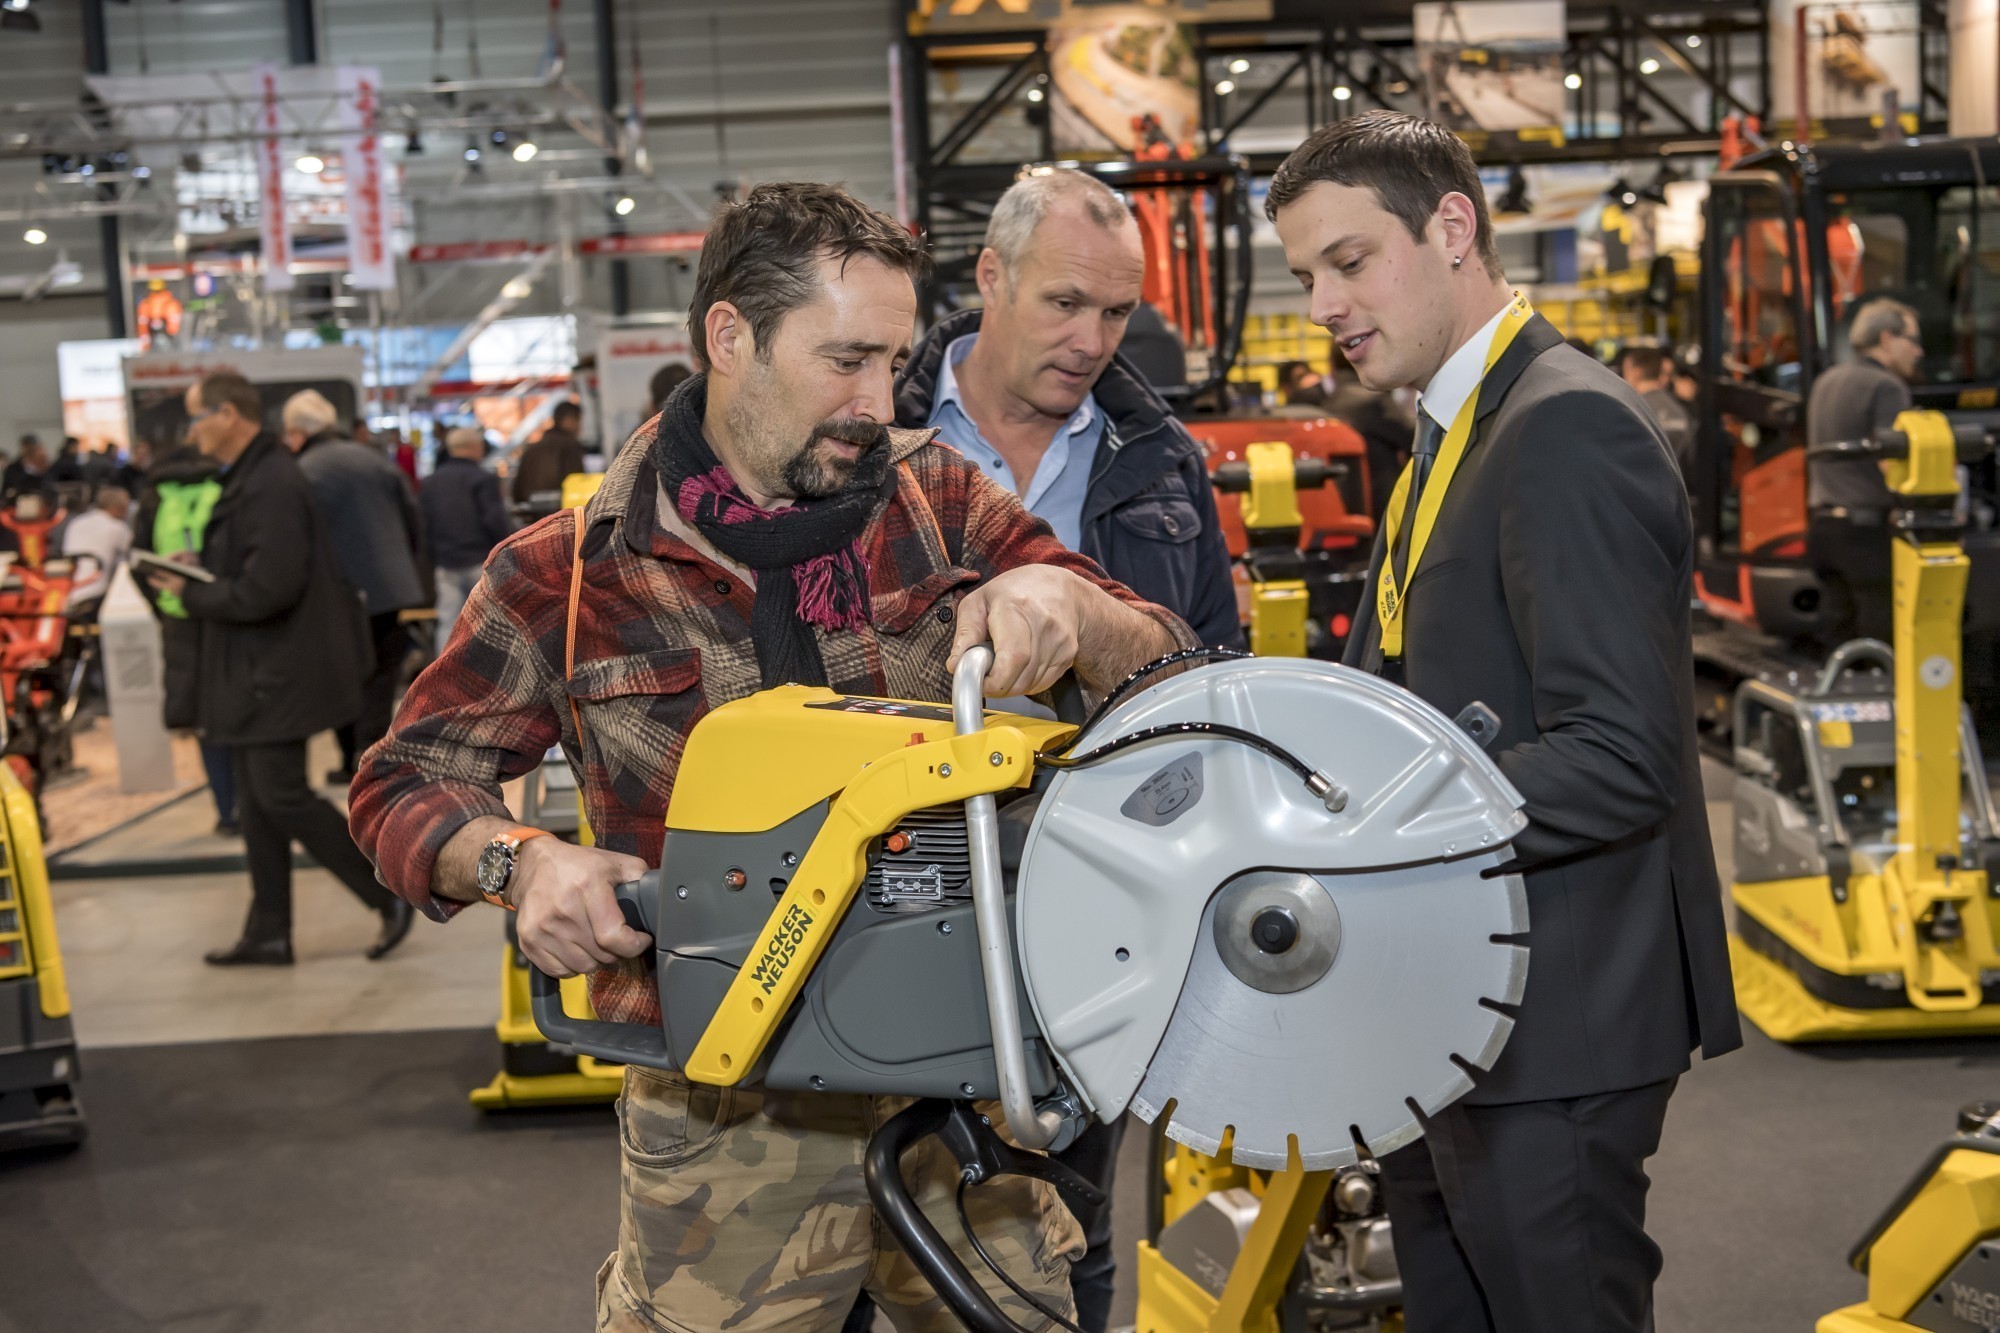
(569, 628)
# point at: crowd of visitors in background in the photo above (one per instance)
(336, 571)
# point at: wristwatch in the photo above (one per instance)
(496, 864)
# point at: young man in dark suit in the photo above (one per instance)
(1539, 560)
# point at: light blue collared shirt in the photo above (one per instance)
(1056, 493)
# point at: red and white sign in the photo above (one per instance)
(474, 252)
(370, 259)
(627, 360)
(277, 238)
(656, 243)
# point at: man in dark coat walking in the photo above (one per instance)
(369, 514)
(283, 652)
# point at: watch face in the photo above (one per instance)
(496, 863)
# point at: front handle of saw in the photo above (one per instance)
(1033, 1129)
(620, 1043)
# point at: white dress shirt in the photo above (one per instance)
(1456, 379)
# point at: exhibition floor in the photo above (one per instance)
(292, 1148)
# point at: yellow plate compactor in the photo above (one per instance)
(1865, 833)
(1260, 901)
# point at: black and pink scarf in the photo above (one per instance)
(815, 543)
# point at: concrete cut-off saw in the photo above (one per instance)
(1255, 900)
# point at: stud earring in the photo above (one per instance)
(1456, 260)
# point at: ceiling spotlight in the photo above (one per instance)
(1341, 92)
(472, 153)
(1239, 66)
(1694, 41)
(625, 205)
(15, 14)
(311, 164)
(142, 173)
(499, 138)
(34, 236)
(1572, 81)
(1226, 87)
(1034, 94)
(16, 5)
(1649, 66)
(525, 151)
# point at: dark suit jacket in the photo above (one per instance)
(1555, 590)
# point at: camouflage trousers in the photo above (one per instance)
(745, 1209)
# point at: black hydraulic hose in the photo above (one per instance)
(1216, 730)
(1125, 687)
(972, 1238)
(882, 1169)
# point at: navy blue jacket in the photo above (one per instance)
(1149, 513)
(463, 513)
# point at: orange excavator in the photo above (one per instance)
(1797, 239)
(44, 652)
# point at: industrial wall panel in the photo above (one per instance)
(45, 66)
(401, 38)
(184, 36)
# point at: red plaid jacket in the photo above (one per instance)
(663, 634)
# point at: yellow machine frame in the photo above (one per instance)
(1880, 925)
(28, 943)
(593, 1081)
(1279, 607)
(1954, 1206)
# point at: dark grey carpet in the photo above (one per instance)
(339, 1183)
(323, 1183)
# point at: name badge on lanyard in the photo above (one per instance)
(1391, 599)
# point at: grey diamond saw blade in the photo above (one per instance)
(1203, 938)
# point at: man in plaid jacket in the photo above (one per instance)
(767, 527)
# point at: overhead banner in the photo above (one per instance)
(371, 261)
(277, 238)
(1493, 65)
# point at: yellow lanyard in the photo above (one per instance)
(1388, 595)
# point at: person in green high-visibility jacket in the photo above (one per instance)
(179, 493)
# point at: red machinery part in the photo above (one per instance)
(1329, 524)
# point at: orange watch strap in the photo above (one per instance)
(513, 837)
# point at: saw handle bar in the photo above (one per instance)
(1033, 1128)
(621, 1043)
(982, 1155)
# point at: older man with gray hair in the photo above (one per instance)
(1847, 500)
(1031, 387)
(370, 512)
(309, 419)
(465, 518)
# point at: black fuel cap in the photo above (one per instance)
(1274, 930)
